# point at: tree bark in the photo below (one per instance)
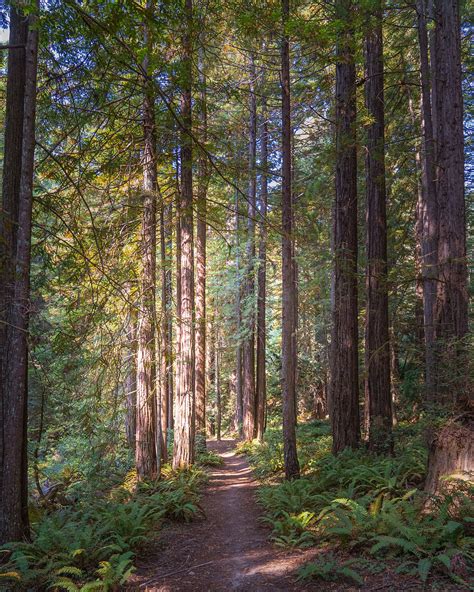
(451, 449)
(148, 428)
(17, 202)
(451, 454)
(201, 267)
(451, 307)
(288, 337)
(166, 332)
(262, 276)
(130, 382)
(248, 345)
(184, 429)
(428, 211)
(238, 314)
(217, 381)
(377, 350)
(344, 394)
(13, 134)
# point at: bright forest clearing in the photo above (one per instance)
(234, 295)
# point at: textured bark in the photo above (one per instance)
(262, 278)
(428, 210)
(420, 201)
(177, 340)
(238, 300)
(130, 382)
(166, 330)
(344, 386)
(451, 454)
(248, 343)
(201, 266)
(377, 351)
(451, 307)
(288, 329)
(13, 135)
(15, 237)
(217, 380)
(147, 439)
(184, 428)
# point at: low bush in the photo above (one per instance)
(363, 503)
(93, 547)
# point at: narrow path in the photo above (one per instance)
(229, 549)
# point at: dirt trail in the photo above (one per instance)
(229, 549)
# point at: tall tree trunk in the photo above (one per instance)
(428, 213)
(201, 267)
(262, 276)
(217, 381)
(166, 374)
(17, 201)
(451, 308)
(248, 345)
(130, 382)
(288, 329)
(147, 441)
(451, 451)
(183, 453)
(239, 414)
(177, 340)
(377, 350)
(344, 343)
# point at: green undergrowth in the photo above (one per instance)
(92, 545)
(365, 506)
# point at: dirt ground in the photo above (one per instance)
(228, 549)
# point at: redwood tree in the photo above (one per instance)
(184, 426)
(262, 277)
(344, 386)
(288, 329)
(201, 265)
(451, 450)
(15, 237)
(451, 308)
(428, 211)
(248, 344)
(377, 351)
(147, 439)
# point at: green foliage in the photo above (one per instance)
(368, 503)
(330, 569)
(208, 458)
(92, 548)
(290, 530)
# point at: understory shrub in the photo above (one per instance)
(92, 547)
(369, 504)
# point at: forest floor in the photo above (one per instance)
(229, 549)
(226, 550)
